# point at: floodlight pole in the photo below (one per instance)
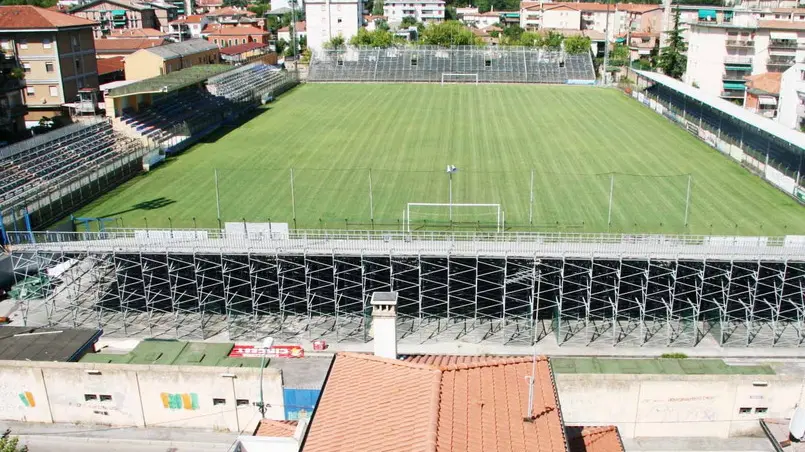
(217, 197)
(687, 200)
(450, 189)
(293, 198)
(371, 198)
(611, 190)
(606, 48)
(531, 200)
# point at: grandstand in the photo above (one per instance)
(459, 64)
(49, 175)
(178, 108)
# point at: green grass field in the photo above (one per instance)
(574, 139)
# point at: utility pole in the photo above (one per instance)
(293, 39)
(604, 73)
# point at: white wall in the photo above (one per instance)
(706, 52)
(676, 405)
(789, 100)
(328, 19)
(423, 11)
(561, 18)
(138, 395)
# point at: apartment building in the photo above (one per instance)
(188, 27)
(426, 11)
(481, 20)
(791, 106)
(327, 19)
(56, 52)
(616, 18)
(724, 50)
(232, 36)
(115, 15)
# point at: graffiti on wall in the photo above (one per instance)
(27, 399)
(187, 401)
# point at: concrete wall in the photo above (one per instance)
(677, 405)
(137, 395)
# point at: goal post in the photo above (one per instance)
(454, 213)
(455, 77)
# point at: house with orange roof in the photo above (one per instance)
(188, 27)
(442, 403)
(762, 93)
(56, 52)
(230, 36)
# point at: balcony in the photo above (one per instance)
(737, 59)
(783, 44)
(732, 94)
(779, 64)
(740, 44)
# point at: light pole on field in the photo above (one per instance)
(265, 347)
(451, 169)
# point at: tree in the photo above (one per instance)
(377, 8)
(236, 3)
(447, 34)
(530, 39)
(408, 21)
(619, 55)
(382, 24)
(10, 443)
(335, 43)
(672, 59)
(376, 38)
(552, 40)
(280, 46)
(577, 44)
(512, 34)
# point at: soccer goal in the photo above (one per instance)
(448, 77)
(429, 214)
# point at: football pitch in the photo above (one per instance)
(555, 158)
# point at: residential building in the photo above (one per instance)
(530, 15)
(641, 43)
(138, 33)
(151, 62)
(190, 27)
(327, 19)
(248, 53)
(111, 48)
(791, 102)
(426, 11)
(489, 35)
(205, 6)
(284, 33)
(561, 15)
(722, 52)
(232, 17)
(461, 11)
(165, 13)
(56, 52)
(230, 36)
(482, 20)
(116, 15)
(762, 93)
(110, 70)
(615, 18)
(370, 21)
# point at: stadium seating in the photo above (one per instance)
(428, 64)
(731, 129)
(29, 166)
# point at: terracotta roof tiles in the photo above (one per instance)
(282, 429)
(767, 82)
(440, 404)
(242, 48)
(109, 65)
(125, 45)
(22, 17)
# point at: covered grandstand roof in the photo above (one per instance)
(181, 49)
(171, 82)
(772, 127)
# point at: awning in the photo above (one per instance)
(766, 100)
(783, 35)
(739, 68)
(734, 85)
(707, 14)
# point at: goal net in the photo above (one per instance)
(426, 215)
(448, 77)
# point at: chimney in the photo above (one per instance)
(384, 323)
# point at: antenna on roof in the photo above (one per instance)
(529, 414)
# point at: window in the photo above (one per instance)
(90, 397)
(46, 43)
(49, 67)
(74, 40)
(30, 90)
(744, 410)
(54, 91)
(106, 398)
(26, 67)
(242, 402)
(218, 402)
(761, 410)
(23, 43)
(339, 20)
(488, 63)
(340, 62)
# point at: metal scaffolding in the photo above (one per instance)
(431, 64)
(596, 289)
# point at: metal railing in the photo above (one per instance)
(737, 59)
(733, 94)
(740, 43)
(784, 43)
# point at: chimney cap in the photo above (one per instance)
(384, 298)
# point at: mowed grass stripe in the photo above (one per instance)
(331, 135)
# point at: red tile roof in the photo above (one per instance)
(22, 17)
(109, 65)
(300, 27)
(282, 429)
(208, 3)
(459, 406)
(594, 439)
(446, 360)
(230, 11)
(242, 48)
(192, 19)
(125, 45)
(136, 33)
(238, 31)
(768, 82)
